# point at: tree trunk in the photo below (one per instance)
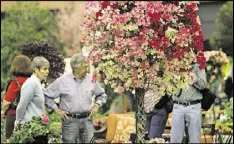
(140, 116)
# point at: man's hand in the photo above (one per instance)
(61, 113)
(193, 78)
(94, 110)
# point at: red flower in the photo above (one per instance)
(98, 14)
(180, 54)
(198, 45)
(154, 17)
(105, 4)
(192, 6)
(154, 43)
(167, 16)
(184, 31)
(115, 6)
(144, 65)
(201, 60)
(45, 119)
(165, 42)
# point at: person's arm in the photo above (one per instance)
(100, 95)
(100, 98)
(52, 92)
(8, 98)
(200, 82)
(26, 95)
(5, 106)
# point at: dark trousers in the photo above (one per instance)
(156, 122)
(10, 119)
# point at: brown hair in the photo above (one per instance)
(21, 66)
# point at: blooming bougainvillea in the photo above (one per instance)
(141, 43)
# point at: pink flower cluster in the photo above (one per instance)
(147, 39)
(100, 122)
(45, 119)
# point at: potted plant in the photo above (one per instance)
(37, 130)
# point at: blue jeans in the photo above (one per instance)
(186, 114)
(76, 130)
(156, 121)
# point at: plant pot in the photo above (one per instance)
(41, 139)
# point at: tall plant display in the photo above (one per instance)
(143, 44)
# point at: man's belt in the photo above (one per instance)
(188, 103)
(79, 115)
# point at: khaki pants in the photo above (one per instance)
(191, 115)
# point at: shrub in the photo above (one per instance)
(223, 36)
(47, 50)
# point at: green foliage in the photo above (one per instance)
(47, 50)
(226, 69)
(117, 106)
(226, 124)
(24, 21)
(3, 138)
(28, 131)
(223, 37)
(54, 117)
(56, 127)
(98, 116)
(111, 95)
(114, 102)
(228, 111)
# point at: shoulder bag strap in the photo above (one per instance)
(17, 83)
(6, 90)
(179, 93)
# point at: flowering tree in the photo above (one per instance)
(143, 45)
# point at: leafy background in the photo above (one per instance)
(24, 22)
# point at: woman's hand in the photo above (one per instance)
(16, 125)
